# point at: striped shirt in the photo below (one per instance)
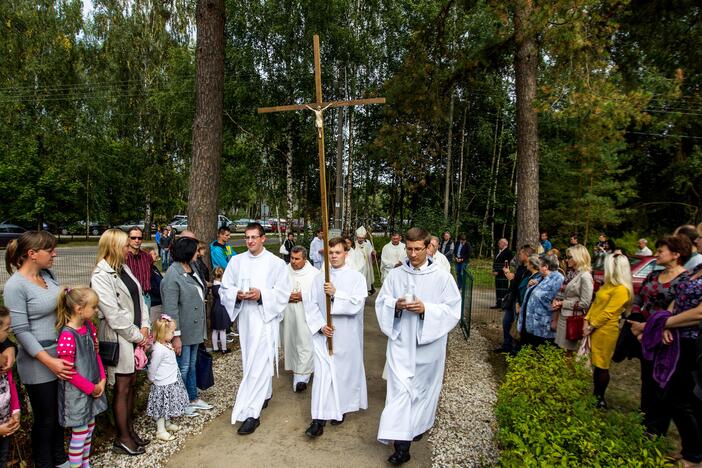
(140, 264)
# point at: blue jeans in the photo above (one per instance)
(508, 316)
(165, 260)
(460, 272)
(186, 364)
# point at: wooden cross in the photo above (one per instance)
(318, 107)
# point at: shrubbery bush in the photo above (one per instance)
(547, 417)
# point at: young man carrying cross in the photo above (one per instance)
(418, 305)
(339, 385)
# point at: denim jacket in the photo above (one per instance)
(537, 305)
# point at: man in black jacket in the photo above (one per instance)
(446, 246)
(502, 259)
(461, 257)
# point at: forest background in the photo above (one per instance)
(97, 103)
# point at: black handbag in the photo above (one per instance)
(109, 353)
(204, 377)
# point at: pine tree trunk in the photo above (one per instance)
(289, 184)
(207, 126)
(449, 175)
(525, 65)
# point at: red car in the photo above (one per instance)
(640, 268)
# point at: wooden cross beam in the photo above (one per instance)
(318, 107)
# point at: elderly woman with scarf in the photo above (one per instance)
(536, 318)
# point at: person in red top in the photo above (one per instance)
(9, 400)
(83, 396)
(139, 261)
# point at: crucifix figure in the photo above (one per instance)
(318, 108)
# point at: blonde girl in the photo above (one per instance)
(168, 397)
(82, 397)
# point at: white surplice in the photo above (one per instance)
(258, 325)
(366, 250)
(297, 339)
(416, 348)
(441, 261)
(356, 260)
(339, 384)
(390, 256)
(316, 258)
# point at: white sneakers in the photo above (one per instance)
(190, 412)
(200, 405)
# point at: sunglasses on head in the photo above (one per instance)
(135, 238)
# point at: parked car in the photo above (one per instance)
(240, 224)
(266, 225)
(94, 229)
(182, 224)
(127, 226)
(9, 232)
(640, 268)
(277, 225)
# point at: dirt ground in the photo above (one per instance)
(280, 439)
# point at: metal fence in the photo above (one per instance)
(478, 295)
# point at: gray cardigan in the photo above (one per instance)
(183, 299)
(33, 312)
(578, 290)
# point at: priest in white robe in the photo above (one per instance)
(297, 339)
(436, 255)
(355, 258)
(392, 255)
(317, 250)
(339, 385)
(364, 246)
(256, 289)
(418, 305)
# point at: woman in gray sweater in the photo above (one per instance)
(31, 294)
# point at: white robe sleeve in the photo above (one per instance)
(229, 289)
(314, 316)
(274, 300)
(350, 301)
(440, 317)
(387, 260)
(385, 310)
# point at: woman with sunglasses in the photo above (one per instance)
(575, 295)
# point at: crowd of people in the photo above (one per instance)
(553, 299)
(158, 319)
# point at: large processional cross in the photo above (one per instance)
(318, 107)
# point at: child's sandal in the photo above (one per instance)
(164, 436)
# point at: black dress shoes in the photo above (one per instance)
(248, 426)
(300, 387)
(139, 441)
(120, 447)
(336, 422)
(316, 429)
(418, 438)
(400, 456)
(265, 404)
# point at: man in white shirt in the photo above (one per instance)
(418, 305)
(339, 385)
(643, 250)
(364, 246)
(256, 289)
(317, 250)
(439, 258)
(392, 255)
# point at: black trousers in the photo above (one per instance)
(533, 340)
(4, 451)
(47, 435)
(501, 285)
(685, 408)
(653, 406)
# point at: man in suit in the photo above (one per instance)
(461, 257)
(502, 259)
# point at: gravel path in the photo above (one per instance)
(227, 374)
(464, 431)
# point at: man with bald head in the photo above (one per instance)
(502, 259)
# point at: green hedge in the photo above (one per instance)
(547, 417)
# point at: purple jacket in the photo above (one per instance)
(664, 357)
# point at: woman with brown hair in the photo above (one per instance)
(31, 294)
(124, 319)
